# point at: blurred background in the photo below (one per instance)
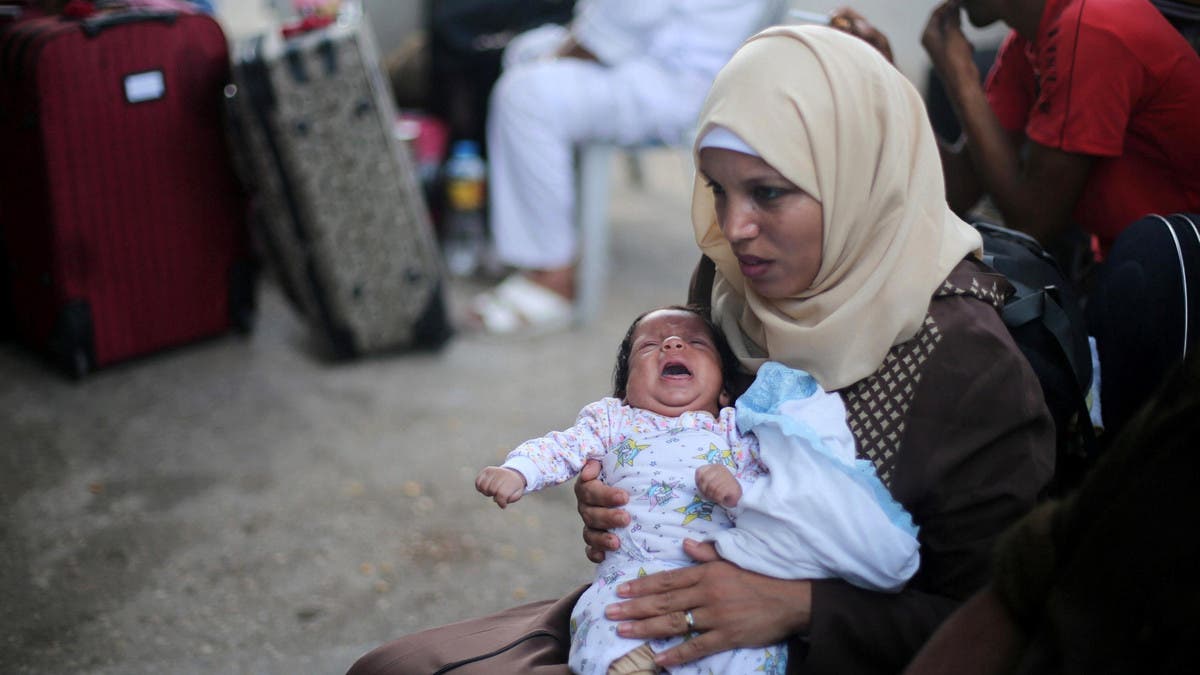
(242, 505)
(398, 21)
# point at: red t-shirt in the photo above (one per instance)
(1112, 79)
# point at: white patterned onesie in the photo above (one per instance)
(654, 458)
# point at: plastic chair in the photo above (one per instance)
(592, 163)
(593, 182)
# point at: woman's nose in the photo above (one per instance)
(738, 224)
(673, 343)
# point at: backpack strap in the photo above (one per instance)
(1045, 306)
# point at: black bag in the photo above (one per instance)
(1143, 310)
(1184, 16)
(1046, 320)
(466, 40)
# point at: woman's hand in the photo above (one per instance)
(850, 21)
(597, 507)
(730, 607)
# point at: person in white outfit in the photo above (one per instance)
(624, 71)
(798, 505)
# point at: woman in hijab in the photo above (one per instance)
(820, 199)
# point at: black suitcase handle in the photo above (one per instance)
(96, 25)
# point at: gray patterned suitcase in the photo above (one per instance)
(339, 208)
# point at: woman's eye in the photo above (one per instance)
(715, 187)
(765, 193)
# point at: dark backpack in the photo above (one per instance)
(1045, 318)
(466, 41)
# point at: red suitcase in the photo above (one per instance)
(124, 223)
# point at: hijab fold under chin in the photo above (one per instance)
(830, 114)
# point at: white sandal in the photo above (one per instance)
(520, 306)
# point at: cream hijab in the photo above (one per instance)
(830, 114)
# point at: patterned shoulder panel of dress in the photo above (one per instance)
(989, 288)
(877, 406)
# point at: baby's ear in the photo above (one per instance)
(723, 399)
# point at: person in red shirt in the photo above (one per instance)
(1088, 115)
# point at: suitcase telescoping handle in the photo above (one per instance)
(94, 25)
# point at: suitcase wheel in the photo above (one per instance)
(71, 343)
(79, 364)
(243, 304)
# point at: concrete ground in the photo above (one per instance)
(240, 506)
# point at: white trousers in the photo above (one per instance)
(540, 109)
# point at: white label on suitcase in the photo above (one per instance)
(147, 86)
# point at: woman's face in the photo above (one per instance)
(775, 228)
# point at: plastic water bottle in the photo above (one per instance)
(466, 175)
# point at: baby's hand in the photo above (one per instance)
(505, 486)
(717, 484)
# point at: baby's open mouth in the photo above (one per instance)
(675, 369)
